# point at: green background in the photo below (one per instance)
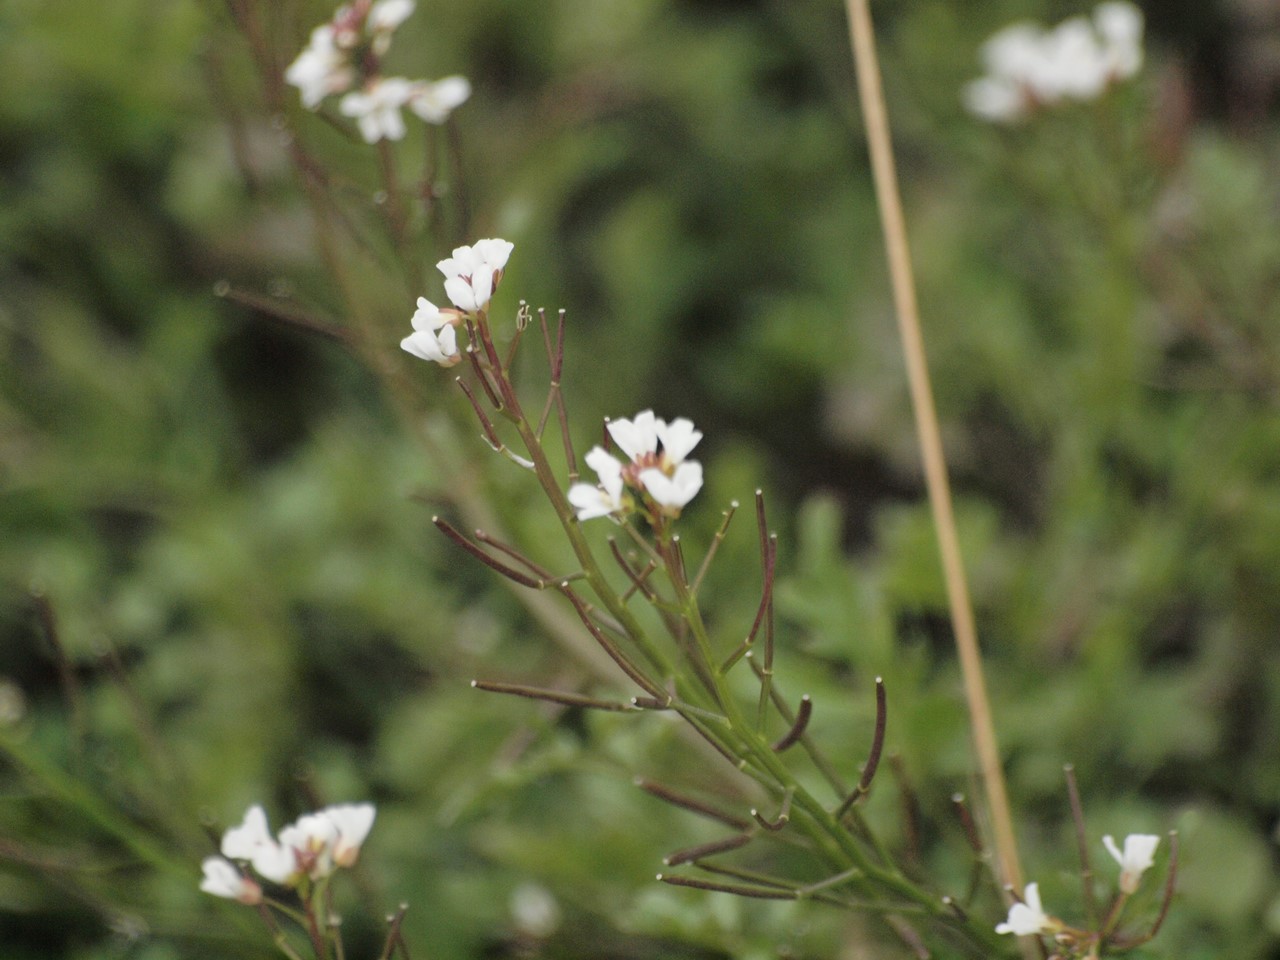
(224, 513)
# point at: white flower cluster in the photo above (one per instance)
(1029, 919)
(664, 476)
(470, 277)
(1029, 66)
(308, 850)
(346, 52)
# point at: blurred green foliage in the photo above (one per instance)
(254, 608)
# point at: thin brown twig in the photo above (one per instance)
(871, 96)
(1082, 844)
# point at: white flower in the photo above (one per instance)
(386, 15)
(433, 102)
(996, 98)
(592, 501)
(353, 822)
(434, 337)
(311, 839)
(376, 108)
(1029, 917)
(1072, 63)
(1137, 857)
(678, 438)
(277, 863)
(636, 438)
(1120, 25)
(1077, 60)
(222, 879)
(472, 273)
(242, 842)
(1013, 52)
(665, 475)
(673, 492)
(320, 69)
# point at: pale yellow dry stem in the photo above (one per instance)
(935, 467)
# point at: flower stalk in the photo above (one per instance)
(889, 200)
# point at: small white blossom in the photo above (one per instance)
(1028, 918)
(1136, 858)
(1079, 59)
(678, 438)
(353, 822)
(321, 68)
(376, 108)
(311, 839)
(1120, 25)
(657, 451)
(636, 438)
(277, 863)
(387, 15)
(996, 99)
(242, 842)
(592, 501)
(472, 273)
(222, 879)
(673, 492)
(434, 337)
(1072, 64)
(433, 102)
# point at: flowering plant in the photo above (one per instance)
(344, 56)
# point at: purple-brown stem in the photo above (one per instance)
(756, 893)
(536, 569)
(563, 698)
(692, 804)
(873, 756)
(449, 531)
(1082, 844)
(609, 647)
(638, 580)
(783, 817)
(798, 726)
(689, 854)
(490, 434)
(715, 546)
(288, 316)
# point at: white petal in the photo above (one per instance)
(996, 99)
(433, 102)
(461, 294)
(428, 316)
(240, 843)
(493, 251)
(353, 822)
(678, 438)
(590, 502)
(1028, 918)
(677, 490)
(388, 14)
(635, 437)
(279, 864)
(1112, 849)
(223, 880)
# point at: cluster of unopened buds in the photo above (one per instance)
(1028, 917)
(344, 56)
(305, 852)
(1029, 66)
